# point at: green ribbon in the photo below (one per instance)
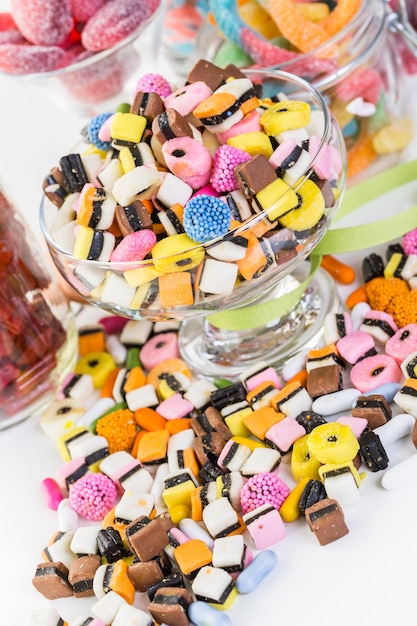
(335, 241)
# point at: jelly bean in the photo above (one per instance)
(335, 402)
(401, 473)
(256, 571)
(388, 391)
(203, 614)
(396, 428)
(357, 296)
(341, 272)
(51, 492)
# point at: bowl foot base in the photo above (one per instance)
(215, 353)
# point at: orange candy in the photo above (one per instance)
(341, 15)
(342, 273)
(300, 31)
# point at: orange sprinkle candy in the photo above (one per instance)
(119, 428)
(381, 292)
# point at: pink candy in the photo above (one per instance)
(134, 247)
(24, 59)
(83, 10)
(263, 488)
(52, 493)
(43, 22)
(224, 162)
(93, 496)
(115, 21)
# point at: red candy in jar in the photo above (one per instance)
(33, 323)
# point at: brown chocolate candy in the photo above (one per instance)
(324, 380)
(209, 73)
(326, 520)
(147, 104)
(81, 575)
(170, 124)
(169, 606)
(51, 580)
(254, 175)
(208, 421)
(146, 537)
(144, 574)
(208, 447)
(374, 408)
(133, 218)
(54, 187)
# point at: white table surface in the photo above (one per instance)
(366, 577)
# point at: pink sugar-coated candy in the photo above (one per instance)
(24, 59)
(134, 247)
(43, 22)
(83, 10)
(99, 81)
(374, 371)
(250, 123)
(189, 160)
(7, 22)
(93, 496)
(225, 160)
(159, 348)
(403, 343)
(153, 82)
(51, 493)
(409, 242)
(354, 346)
(263, 488)
(115, 21)
(366, 83)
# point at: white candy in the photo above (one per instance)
(193, 530)
(296, 404)
(65, 214)
(67, 517)
(142, 397)
(138, 184)
(410, 267)
(106, 608)
(396, 428)
(335, 402)
(228, 551)
(342, 488)
(211, 582)
(136, 333)
(134, 504)
(91, 277)
(139, 480)
(172, 190)
(131, 616)
(158, 484)
(218, 277)
(60, 550)
(99, 408)
(294, 173)
(359, 107)
(358, 313)
(114, 462)
(84, 540)
(261, 460)
(43, 617)
(199, 393)
(111, 172)
(181, 441)
(64, 237)
(116, 349)
(116, 291)
(410, 360)
(219, 516)
(294, 365)
(401, 473)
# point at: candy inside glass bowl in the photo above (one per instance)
(277, 202)
(85, 81)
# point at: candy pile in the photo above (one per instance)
(213, 185)
(46, 35)
(172, 488)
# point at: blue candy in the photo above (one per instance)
(256, 571)
(202, 614)
(93, 130)
(206, 217)
(388, 391)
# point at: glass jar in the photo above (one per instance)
(358, 71)
(38, 337)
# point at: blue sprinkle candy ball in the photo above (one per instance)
(93, 129)
(206, 217)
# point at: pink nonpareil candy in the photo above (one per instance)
(26, 59)
(134, 247)
(43, 22)
(115, 21)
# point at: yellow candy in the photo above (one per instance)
(98, 365)
(332, 443)
(392, 265)
(64, 440)
(127, 127)
(259, 19)
(141, 275)
(285, 115)
(277, 198)
(246, 441)
(254, 143)
(179, 496)
(311, 208)
(394, 137)
(235, 422)
(176, 253)
(126, 159)
(313, 11)
(302, 464)
(331, 468)
(83, 242)
(289, 509)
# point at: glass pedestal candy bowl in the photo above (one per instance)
(259, 225)
(353, 61)
(38, 338)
